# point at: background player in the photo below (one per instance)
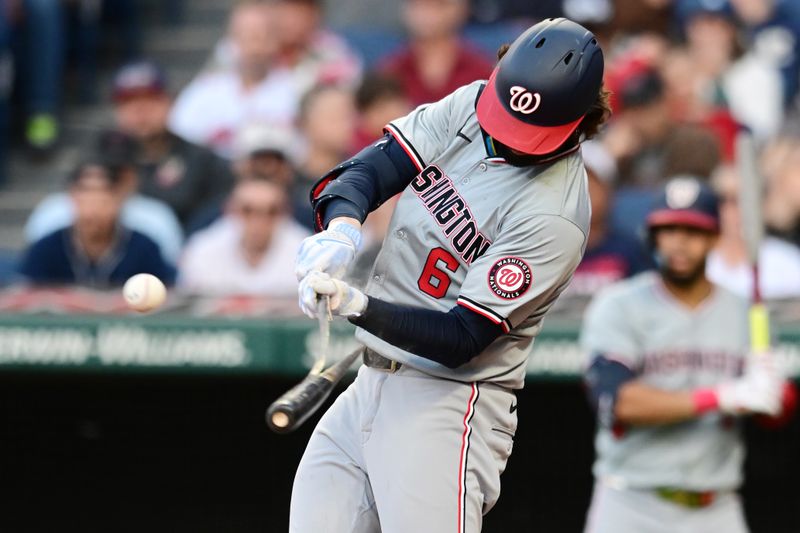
(490, 226)
(668, 374)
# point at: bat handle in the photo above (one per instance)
(759, 328)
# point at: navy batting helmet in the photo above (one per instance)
(685, 201)
(542, 87)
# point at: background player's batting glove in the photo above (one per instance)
(759, 390)
(329, 251)
(345, 300)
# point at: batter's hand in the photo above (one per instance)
(344, 300)
(759, 390)
(329, 251)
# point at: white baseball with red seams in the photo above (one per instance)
(144, 292)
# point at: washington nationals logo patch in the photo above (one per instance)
(510, 277)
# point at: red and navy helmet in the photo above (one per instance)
(542, 87)
(685, 201)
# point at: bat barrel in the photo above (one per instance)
(294, 407)
(289, 411)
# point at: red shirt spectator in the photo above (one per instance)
(470, 65)
(436, 60)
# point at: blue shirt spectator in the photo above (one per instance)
(148, 216)
(58, 259)
(96, 250)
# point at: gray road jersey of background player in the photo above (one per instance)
(673, 348)
(473, 230)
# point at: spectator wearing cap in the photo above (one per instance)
(250, 250)
(640, 123)
(270, 152)
(148, 216)
(267, 153)
(97, 249)
(611, 255)
(655, 131)
(436, 60)
(185, 176)
(728, 264)
(218, 103)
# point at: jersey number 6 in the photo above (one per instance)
(434, 281)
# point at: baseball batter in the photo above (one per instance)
(669, 376)
(490, 225)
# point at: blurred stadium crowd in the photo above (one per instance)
(207, 186)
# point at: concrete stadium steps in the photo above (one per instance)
(182, 49)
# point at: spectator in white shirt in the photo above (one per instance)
(312, 53)
(250, 250)
(217, 103)
(779, 261)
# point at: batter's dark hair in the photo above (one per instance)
(598, 114)
(502, 50)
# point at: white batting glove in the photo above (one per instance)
(329, 251)
(345, 300)
(759, 390)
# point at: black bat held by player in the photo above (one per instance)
(295, 406)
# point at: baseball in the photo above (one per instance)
(144, 292)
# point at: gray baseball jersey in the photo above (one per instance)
(670, 347)
(473, 230)
(406, 451)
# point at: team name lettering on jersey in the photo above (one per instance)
(451, 212)
(668, 361)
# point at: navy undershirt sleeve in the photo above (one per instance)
(603, 379)
(371, 177)
(450, 338)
